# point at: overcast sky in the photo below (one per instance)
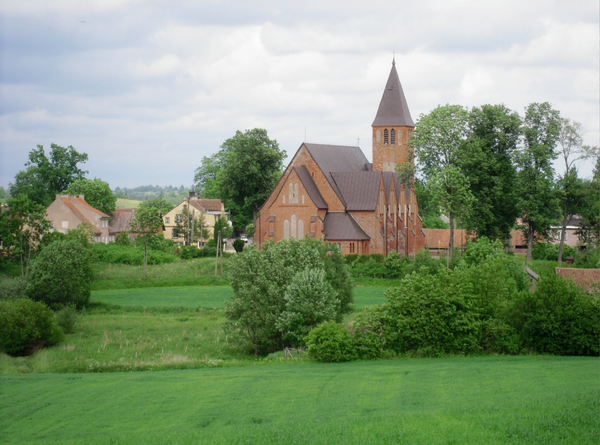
(147, 89)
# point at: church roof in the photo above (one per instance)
(340, 226)
(359, 190)
(311, 187)
(338, 158)
(393, 109)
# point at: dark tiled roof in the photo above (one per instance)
(310, 186)
(393, 109)
(120, 220)
(342, 226)
(387, 182)
(359, 189)
(337, 158)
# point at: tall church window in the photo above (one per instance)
(291, 192)
(386, 136)
(293, 232)
(284, 199)
(296, 193)
(300, 229)
(286, 229)
(393, 137)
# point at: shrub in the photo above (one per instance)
(122, 254)
(423, 259)
(394, 265)
(558, 318)
(330, 342)
(61, 275)
(238, 245)
(27, 326)
(67, 319)
(309, 300)
(122, 239)
(369, 333)
(481, 249)
(548, 251)
(12, 287)
(433, 314)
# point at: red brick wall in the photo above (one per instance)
(386, 156)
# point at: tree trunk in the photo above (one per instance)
(563, 229)
(451, 240)
(529, 244)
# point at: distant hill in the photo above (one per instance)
(173, 195)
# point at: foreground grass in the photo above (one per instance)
(489, 400)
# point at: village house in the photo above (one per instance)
(67, 212)
(210, 210)
(334, 192)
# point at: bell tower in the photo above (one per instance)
(392, 127)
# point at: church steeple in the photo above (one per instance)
(392, 126)
(393, 109)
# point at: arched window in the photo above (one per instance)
(296, 193)
(386, 137)
(300, 229)
(293, 233)
(291, 192)
(286, 229)
(302, 199)
(393, 141)
(284, 199)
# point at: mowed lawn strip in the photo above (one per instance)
(491, 400)
(208, 297)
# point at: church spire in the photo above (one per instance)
(393, 109)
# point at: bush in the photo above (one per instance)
(309, 300)
(558, 318)
(238, 245)
(369, 333)
(27, 326)
(67, 319)
(122, 254)
(330, 342)
(433, 314)
(548, 251)
(394, 265)
(12, 287)
(61, 275)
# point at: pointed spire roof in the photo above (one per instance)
(393, 109)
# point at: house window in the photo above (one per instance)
(65, 224)
(386, 136)
(174, 234)
(178, 218)
(167, 220)
(352, 248)
(393, 141)
(339, 245)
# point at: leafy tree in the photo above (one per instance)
(590, 209)
(428, 206)
(239, 245)
(537, 198)
(61, 275)
(146, 225)
(23, 226)
(487, 162)
(439, 141)
(161, 204)
(243, 173)
(2, 193)
(45, 177)
(260, 279)
(97, 193)
(222, 225)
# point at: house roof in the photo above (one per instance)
(206, 205)
(73, 202)
(341, 226)
(121, 220)
(310, 186)
(586, 278)
(338, 158)
(393, 108)
(358, 189)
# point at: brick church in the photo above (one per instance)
(333, 192)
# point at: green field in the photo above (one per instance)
(127, 203)
(486, 400)
(208, 297)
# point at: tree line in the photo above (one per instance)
(488, 166)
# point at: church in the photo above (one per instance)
(333, 192)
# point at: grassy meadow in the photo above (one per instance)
(483, 400)
(127, 203)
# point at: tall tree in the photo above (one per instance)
(487, 163)
(46, 176)
(439, 141)
(589, 209)
(537, 199)
(96, 192)
(146, 224)
(24, 224)
(242, 174)
(572, 190)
